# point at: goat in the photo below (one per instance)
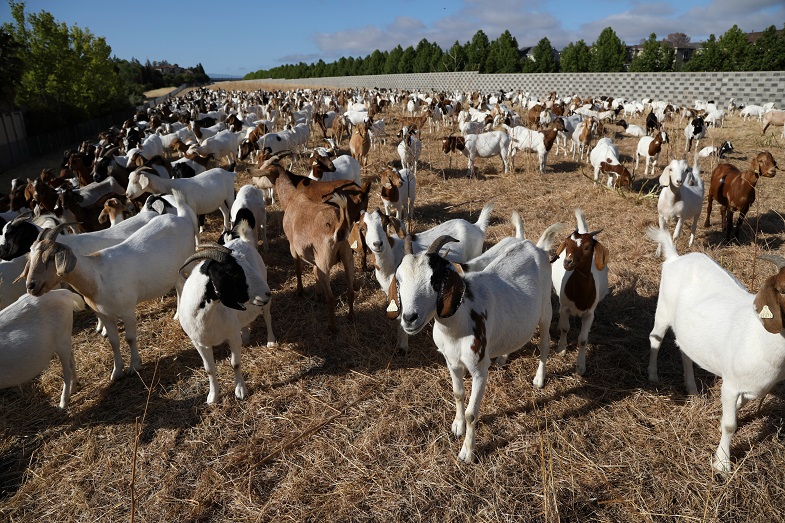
(113, 211)
(204, 193)
(249, 206)
(652, 124)
(398, 191)
(222, 296)
(720, 152)
(525, 139)
(773, 117)
(681, 197)
(695, 131)
(735, 190)
(478, 315)
(485, 145)
(409, 148)
(114, 280)
(605, 159)
(631, 129)
(317, 233)
(32, 330)
(360, 143)
(389, 251)
(580, 278)
(721, 327)
(650, 147)
(325, 169)
(582, 137)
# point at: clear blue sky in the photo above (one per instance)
(231, 37)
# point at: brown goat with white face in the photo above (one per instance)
(734, 190)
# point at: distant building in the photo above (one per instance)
(682, 53)
(169, 70)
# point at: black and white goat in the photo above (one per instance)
(222, 296)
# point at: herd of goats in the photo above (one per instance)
(120, 224)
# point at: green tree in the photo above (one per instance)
(544, 61)
(477, 51)
(11, 68)
(575, 58)
(735, 49)
(422, 57)
(436, 57)
(655, 56)
(391, 64)
(406, 63)
(708, 58)
(608, 53)
(374, 64)
(455, 58)
(768, 51)
(506, 55)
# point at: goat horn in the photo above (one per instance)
(439, 243)
(595, 233)
(208, 251)
(776, 259)
(275, 157)
(407, 245)
(51, 234)
(22, 217)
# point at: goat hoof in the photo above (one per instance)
(458, 428)
(117, 374)
(466, 455)
(240, 391)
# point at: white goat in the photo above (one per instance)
(507, 301)
(525, 139)
(223, 145)
(221, 298)
(204, 193)
(604, 157)
(249, 206)
(681, 197)
(721, 327)
(409, 149)
(580, 278)
(114, 280)
(389, 251)
(32, 329)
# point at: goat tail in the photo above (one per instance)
(518, 224)
(662, 237)
(184, 210)
(548, 237)
(485, 214)
(581, 220)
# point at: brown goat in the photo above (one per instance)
(735, 190)
(360, 144)
(317, 233)
(417, 122)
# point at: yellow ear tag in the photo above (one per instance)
(392, 307)
(765, 313)
(353, 245)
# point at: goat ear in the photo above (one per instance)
(143, 180)
(561, 248)
(355, 239)
(398, 227)
(600, 256)
(65, 261)
(451, 294)
(665, 177)
(768, 305)
(394, 307)
(103, 216)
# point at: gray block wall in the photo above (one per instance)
(755, 87)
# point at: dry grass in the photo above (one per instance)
(341, 428)
(155, 93)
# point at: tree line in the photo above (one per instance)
(60, 75)
(732, 51)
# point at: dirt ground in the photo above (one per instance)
(345, 428)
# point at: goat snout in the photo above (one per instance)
(377, 246)
(410, 318)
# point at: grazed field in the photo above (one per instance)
(343, 428)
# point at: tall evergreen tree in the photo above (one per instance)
(575, 58)
(477, 51)
(391, 64)
(735, 49)
(544, 61)
(455, 58)
(608, 53)
(768, 52)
